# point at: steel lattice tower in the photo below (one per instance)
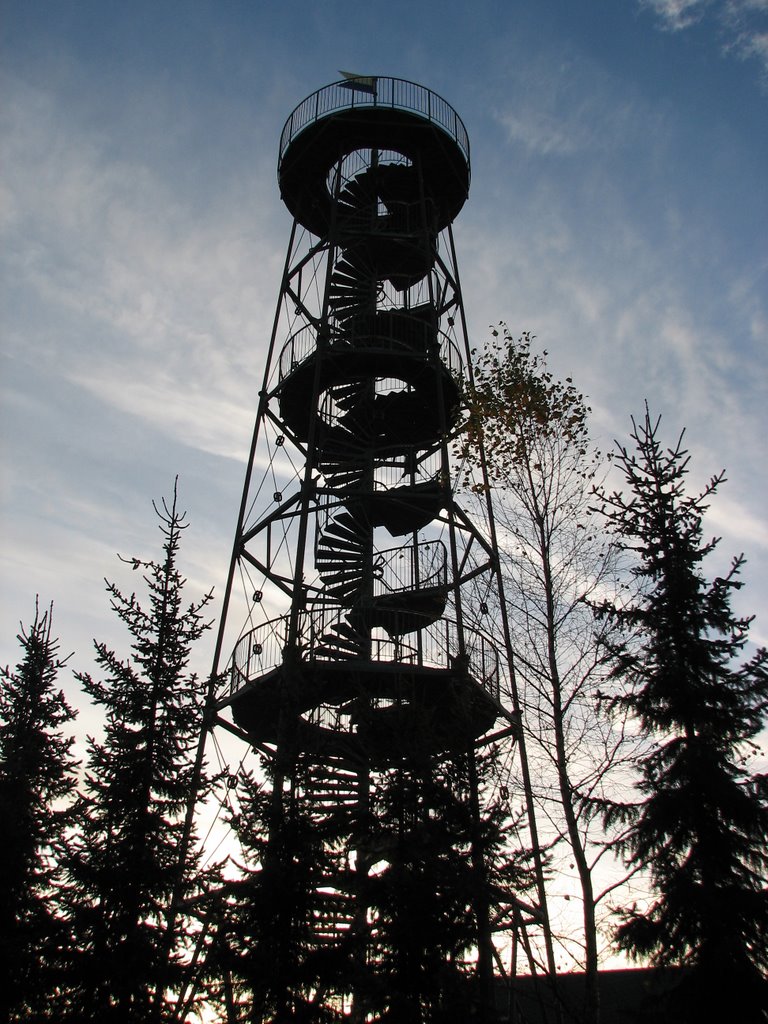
(358, 656)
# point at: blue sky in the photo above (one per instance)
(617, 210)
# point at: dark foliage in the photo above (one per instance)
(422, 896)
(262, 959)
(445, 874)
(36, 786)
(700, 827)
(408, 872)
(126, 866)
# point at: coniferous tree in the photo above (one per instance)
(701, 823)
(447, 873)
(423, 897)
(36, 786)
(261, 961)
(428, 867)
(139, 779)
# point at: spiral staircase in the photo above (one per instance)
(372, 664)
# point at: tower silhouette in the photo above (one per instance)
(361, 645)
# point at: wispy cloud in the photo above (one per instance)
(730, 516)
(157, 305)
(742, 23)
(564, 106)
(135, 316)
(678, 14)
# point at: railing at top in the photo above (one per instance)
(396, 93)
(261, 650)
(403, 569)
(303, 344)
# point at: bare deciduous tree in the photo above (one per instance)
(542, 468)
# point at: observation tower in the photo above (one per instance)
(357, 653)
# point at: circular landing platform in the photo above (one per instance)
(357, 710)
(389, 115)
(396, 418)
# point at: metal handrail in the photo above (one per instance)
(258, 652)
(261, 650)
(302, 345)
(395, 93)
(402, 569)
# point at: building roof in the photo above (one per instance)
(626, 996)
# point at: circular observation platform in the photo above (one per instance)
(390, 115)
(383, 704)
(356, 710)
(401, 417)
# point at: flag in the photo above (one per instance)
(360, 83)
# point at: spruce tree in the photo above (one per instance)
(262, 959)
(700, 825)
(446, 873)
(139, 780)
(431, 869)
(36, 786)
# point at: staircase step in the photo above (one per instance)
(345, 520)
(345, 566)
(349, 584)
(340, 537)
(344, 629)
(335, 774)
(342, 593)
(334, 544)
(334, 654)
(340, 643)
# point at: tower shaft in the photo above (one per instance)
(357, 655)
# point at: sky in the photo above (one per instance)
(617, 211)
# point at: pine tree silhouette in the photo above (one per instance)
(37, 783)
(126, 865)
(700, 826)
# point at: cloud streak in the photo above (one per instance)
(158, 308)
(144, 248)
(678, 14)
(743, 24)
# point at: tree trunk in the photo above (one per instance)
(592, 1007)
